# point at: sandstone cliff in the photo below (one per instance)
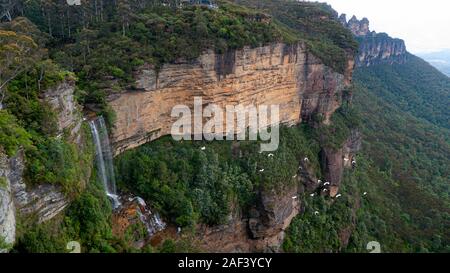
(69, 115)
(375, 48)
(40, 203)
(287, 75)
(262, 230)
(7, 208)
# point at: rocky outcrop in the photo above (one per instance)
(134, 211)
(379, 48)
(7, 209)
(62, 101)
(375, 48)
(262, 229)
(42, 201)
(286, 75)
(333, 161)
(357, 27)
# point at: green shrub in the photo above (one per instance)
(3, 182)
(12, 136)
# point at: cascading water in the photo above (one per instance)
(152, 221)
(104, 162)
(104, 158)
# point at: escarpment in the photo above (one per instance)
(375, 48)
(277, 74)
(285, 75)
(31, 204)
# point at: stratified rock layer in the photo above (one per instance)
(285, 75)
(277, 74)
(68, 112)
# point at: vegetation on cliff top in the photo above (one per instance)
(107, 45)
(104, 44)
(28, 121)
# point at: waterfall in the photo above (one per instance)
(105, 170)
(104, 159)
(151, 220)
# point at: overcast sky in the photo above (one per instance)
(424, 25)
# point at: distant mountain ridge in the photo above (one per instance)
(374, 48)
(403, 102)
(439, 59)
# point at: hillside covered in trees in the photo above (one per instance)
(403, 167)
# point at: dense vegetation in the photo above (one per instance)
(412, 152)
(416, 88)
(112, 40)
(316, 24)
(189, 185)
(403, 167)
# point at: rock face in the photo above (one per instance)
(281, 74)
(333, 167)
(333, 161)
(134, 210)
(7, 208)
(357, 27)
(375, 48)
(287, 75)
(43, 202)
(379, 48)
(62, 101)
(262, 230)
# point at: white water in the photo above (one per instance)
(105, 170)
(104, 160)
(152, 221)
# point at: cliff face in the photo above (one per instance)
(263, 228)
(7, 208)
(334, 161)
(287, 75)
(43, 202)
(39, 203)
(281, 74)
(375, 48)
(62, 101)
(357, 27)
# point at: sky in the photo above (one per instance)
(424, 25)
